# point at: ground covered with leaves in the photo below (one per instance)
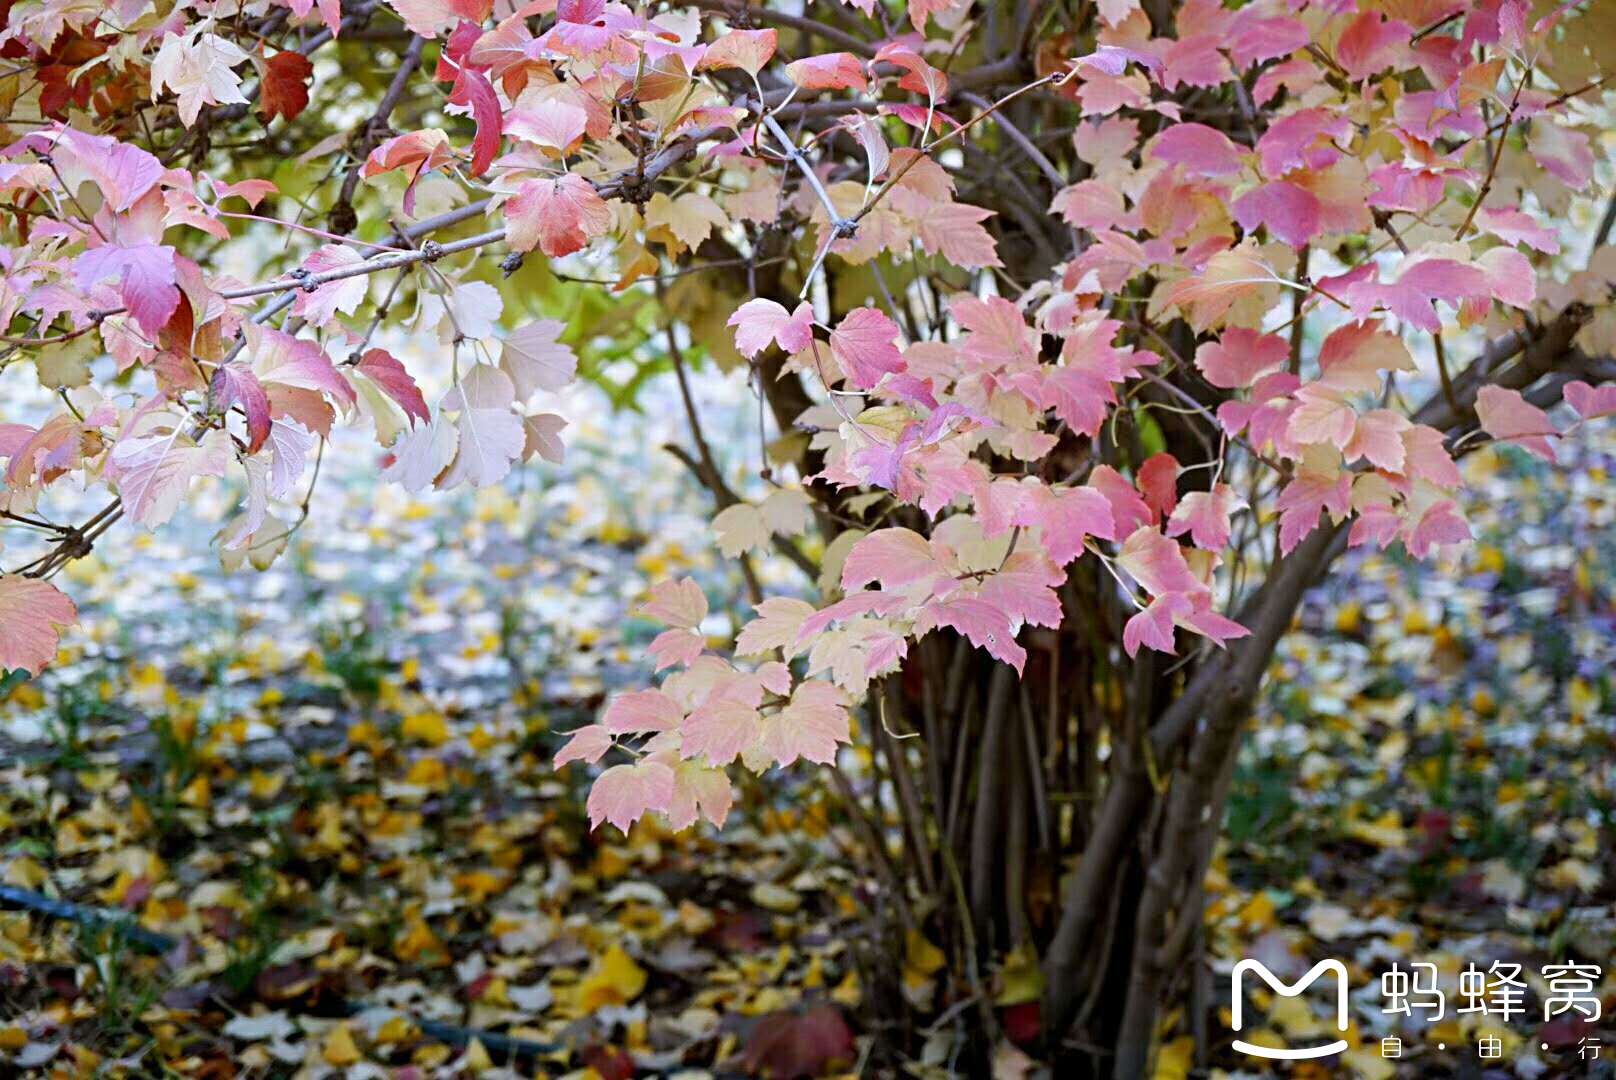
(324, 799)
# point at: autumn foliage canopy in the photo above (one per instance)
(1321, 235)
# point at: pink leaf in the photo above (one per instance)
(145, 276)
(679, 603)
(32, 615)
(748, 50)
(1591, 402)
(585, 744)
(557, 216)
(1291, 212)
(675, 647)
(1158, 479)
(1304, 498)
(863, 344)
(473, 88)
(698, 790)
(321, 306)
(1205, 516)
(1378, 438)
(1372, 43)
(760, 321)
(725, 724)
(1509, 417)
(1152, 627)
(1515, 227)
(1065, 517)
(810, 727)
(625, 793)
(892, 557)
(1157, 563)
(830, 71)
(383, 369)
(1241, 357)
(983, 625)
(235, 384)
(1201, 150)
(1128, 510)
(641, 711)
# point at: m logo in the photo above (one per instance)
(1284, 989)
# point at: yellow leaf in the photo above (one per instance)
(614, 980)
(476, 1059)
(429, 728)
(1176, 1059)
(339, 1048)
(921, 957)
(1021, 979)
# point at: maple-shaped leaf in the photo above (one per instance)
(1509, 417)
(154, 471)
(1157, 563)
(1591, 402)
(698, 790)
(557, 126)
(1321, 416)
(740, 528)
(778, 622)
(1128, 510)
(863, 344)
(1227, 277)
(688, 218)
(146, 279)
(345, 294)
(235, 384)
(893, 557)
(535, 358)
(557, 216)
(981, 622)
(416, 153)
(1377, 437)
(1065, 518)
(677, 602)
(1240, 357)
(1371, 43)
(428, 18)
(284, 86)
(422, 454)
(809, 727)
(952, 230)
(1315, 489)
(1158, 481)
(290, 444)
(748, 50)
(544, 438)
(761, 320)
(1090, 204)
(1205, 516)
(828, 71)
(588, 744)
(491, 434)
(32, 616)
(1153, 626)
(794, 1043)
(1515, 227)
(625, 793)
(1291, 212)
(472, 88)
(1200, 150)
(642, 711)
(387, 372)
(675, 647)
(197, 66)
(1354, 355)
(724, 724)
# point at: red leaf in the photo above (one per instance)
(285, 87)
(790, 1046)
(235, 384)
(473, 88)
(383, 369)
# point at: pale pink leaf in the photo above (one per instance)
(625, 793)
(585, 744)
(32, 616)
(863, 344)
(676, 602)
(1509, 417)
